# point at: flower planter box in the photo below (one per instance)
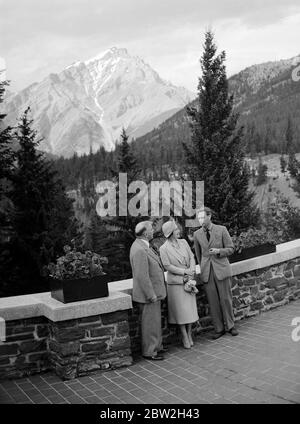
(75, 290)
(252, 252)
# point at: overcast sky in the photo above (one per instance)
(42, 36)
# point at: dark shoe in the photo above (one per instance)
(154, 358)
(233, 331)
(218, 335)
(163, 350)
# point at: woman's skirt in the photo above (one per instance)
(182, 306)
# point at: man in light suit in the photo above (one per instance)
(148, 290)
(213, 245)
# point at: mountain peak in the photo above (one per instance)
(109, 53)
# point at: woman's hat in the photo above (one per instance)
(168, 228)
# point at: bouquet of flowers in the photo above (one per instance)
(75, 265)
(190, 285)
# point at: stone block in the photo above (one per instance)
(244, 295)
(297, 270)
(42, 331)
(8, 349)
(254, 290)
(14, 330)
(120, 343)
(4, 361)
(276, 281)
(256, 305)
(250, 281)
(20, 337)
(288, 273)
(92, 319)
(268, 300)
(68, 334)
(33, 346)
(205, 321)
(123, 328)
(114, 317)
(247, 300)
(94, 347)
(64, 349)
(87, 366)
(252, 313)
(236, 303)
(70, 323)
(102, 331)
(290, 265)
(236, 291)
(279, 296)
(66, 372)
(42, 356)
(238, 314)
(292, 282)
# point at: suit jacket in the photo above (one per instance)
(147, 273)
(177, 261)
(219, 239)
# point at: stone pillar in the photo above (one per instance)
(80, 346)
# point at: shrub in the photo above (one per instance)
(252, 237)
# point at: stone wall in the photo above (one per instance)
(266, 288)
(25, 350)
(72, 348)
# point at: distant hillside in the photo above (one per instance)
(264, 95)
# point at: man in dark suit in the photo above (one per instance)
(213, 245)
(148, 290)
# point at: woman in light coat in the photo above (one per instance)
(178, 260)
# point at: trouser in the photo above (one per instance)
(151, 328)
(219, 297)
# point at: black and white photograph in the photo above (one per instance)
(149, 205)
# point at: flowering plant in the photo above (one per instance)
(77, 265)
(252, 237)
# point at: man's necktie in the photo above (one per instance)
(207, 234)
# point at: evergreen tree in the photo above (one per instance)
(7, 155)
(43, 219)
(293, 164)
(113, 236)
(217, 151)
(289, 137)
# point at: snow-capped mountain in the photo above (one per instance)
(86, 105)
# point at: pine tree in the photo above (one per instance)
(216, 154)
(293, 164)
(113, 236)
(7, 155)
(43, 217)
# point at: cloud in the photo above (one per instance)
(38, 37)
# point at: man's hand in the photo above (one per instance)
(213, 251)
(188, 272)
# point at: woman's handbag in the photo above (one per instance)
(190, 285)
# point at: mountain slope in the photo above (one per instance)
(264, 95)
(86, 105)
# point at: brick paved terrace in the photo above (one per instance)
(261, 365)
